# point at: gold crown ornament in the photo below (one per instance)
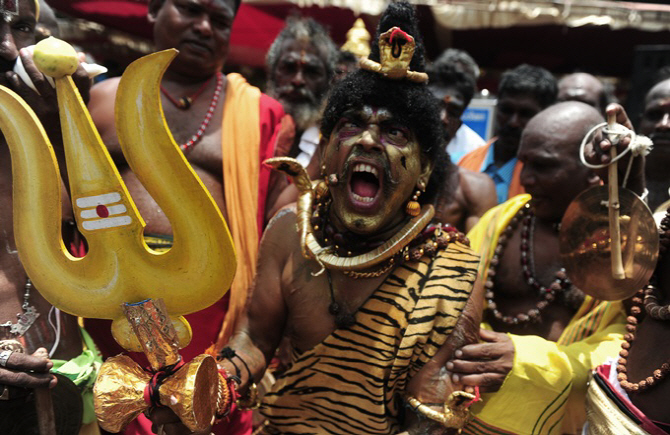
(396, 49)
(358, 40)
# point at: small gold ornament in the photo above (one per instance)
(413, 208)
(396, 49)
(321, 190)
(358, 40)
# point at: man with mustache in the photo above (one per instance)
(225, 128)
(524, 91)
(655, 123)
(370, 333)
(301, 64)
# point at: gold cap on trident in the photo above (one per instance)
(119, 267)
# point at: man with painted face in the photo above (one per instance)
(372, 297)
(301, 64)
(655, 123)
(54, 355)
(225, 128)
(523, 92)
(541, 335)
(475, 192)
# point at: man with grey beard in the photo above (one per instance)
(301, 64)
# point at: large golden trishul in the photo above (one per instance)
(119, 267)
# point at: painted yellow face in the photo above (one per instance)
(378, 164)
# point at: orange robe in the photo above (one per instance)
(474, 159)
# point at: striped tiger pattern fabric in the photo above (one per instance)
(352, 382)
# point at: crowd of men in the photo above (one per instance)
(362, 295)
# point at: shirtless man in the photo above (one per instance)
(629, 393)
(548, 335)
(43, 343)
(475, 192)
(221, 124)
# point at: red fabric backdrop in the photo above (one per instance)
(254, 29)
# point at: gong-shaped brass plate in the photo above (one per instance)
(585, 244)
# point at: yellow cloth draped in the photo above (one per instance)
(240, 144)
(544, 392)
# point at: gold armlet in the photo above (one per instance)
(456, 411)
(251, 399)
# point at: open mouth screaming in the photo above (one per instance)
(364, 184)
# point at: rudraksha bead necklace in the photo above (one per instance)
(649, 296)
(548, 294)
(428, 243)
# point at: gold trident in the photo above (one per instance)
(119, 266)
(119, 272)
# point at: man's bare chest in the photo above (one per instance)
(316, 302)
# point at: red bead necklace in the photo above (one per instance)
(208, 116)
(184, 103)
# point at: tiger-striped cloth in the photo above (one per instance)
(353, 381)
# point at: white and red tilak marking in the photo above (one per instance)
(102, 211)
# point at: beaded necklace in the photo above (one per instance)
(348, 245)
(208, 116)
(548, 294)
(649, 297)
(184, 103)
(428, 243)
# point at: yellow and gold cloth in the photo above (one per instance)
(545, 391)
(354, 380)
(606, 418)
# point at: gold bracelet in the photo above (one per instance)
(456, 412)
(251, 399)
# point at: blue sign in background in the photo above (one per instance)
(480, 118)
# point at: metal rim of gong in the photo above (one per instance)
(584, 244)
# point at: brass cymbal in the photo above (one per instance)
(585, 244)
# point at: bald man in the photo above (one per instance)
(548, 334)
(585, 88)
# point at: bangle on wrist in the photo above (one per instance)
(455, 413)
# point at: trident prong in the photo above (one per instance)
(119, 267)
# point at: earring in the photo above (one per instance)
(413, 208)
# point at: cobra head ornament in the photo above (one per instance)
(119, 267)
